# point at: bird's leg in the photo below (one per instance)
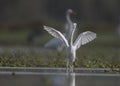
(72, 66)
(67, 66)
(74, 63)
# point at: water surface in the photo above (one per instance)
(57, 78)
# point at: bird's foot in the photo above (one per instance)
(69, 69)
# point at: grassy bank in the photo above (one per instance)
(92, 57)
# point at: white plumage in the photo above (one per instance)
(55, 43)
(84, 38)
(71, 47)
(57, 34)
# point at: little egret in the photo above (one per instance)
(71, 47)
(56, 43)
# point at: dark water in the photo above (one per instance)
(58, 79)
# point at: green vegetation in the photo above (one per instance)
(85, 58)
(88, 56)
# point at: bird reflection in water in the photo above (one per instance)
(64, 80)
(71, 79)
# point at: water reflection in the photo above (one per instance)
(71, 79)
(66, 80)
(85, 79)
(58, 79)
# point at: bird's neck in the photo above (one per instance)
(68, 18)
(72, 34)
(71, 38)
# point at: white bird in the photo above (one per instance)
(69, 25)
(71, 47)
(55, 43)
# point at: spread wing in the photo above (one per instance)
(54, 43)
(57, 34)
(84, 38)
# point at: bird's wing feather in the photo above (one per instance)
(54, 43)
(84, 38)
(57, 34)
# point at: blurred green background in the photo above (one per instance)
(20, 18)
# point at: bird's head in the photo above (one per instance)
(75, 25)
(70, 11)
